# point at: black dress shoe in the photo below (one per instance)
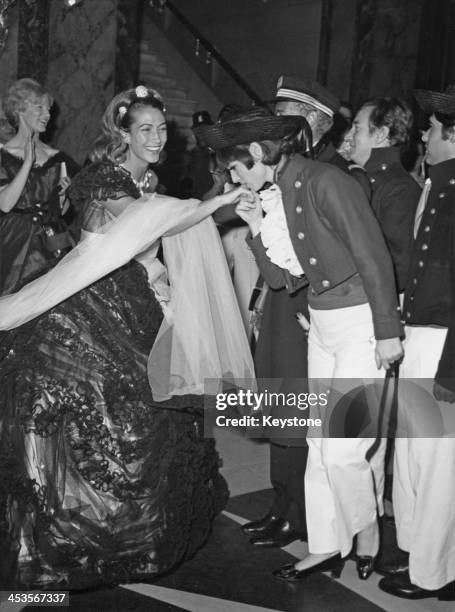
(281, 534)
(334, 565)
(364, 565)
(262, 525)
(392, 569)
(401, 586)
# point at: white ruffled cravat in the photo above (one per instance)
(275, 232)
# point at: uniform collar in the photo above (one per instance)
(382, 158)
(280, 170)
(443, 173)
(323, 150)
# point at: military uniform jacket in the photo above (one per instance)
(430, 290)
(336, 235)
(395, 195)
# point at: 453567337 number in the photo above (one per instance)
(36, 598)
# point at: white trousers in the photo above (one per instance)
(424, 470)
(343, 489)
(243, 267)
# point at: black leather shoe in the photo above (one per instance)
(281, 534)
(262, 525)
(392, 569)
(364, 565)
(401, 586)
(334, 565)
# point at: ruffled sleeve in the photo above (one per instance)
(94, 185)
(101, 181)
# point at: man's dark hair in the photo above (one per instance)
(393, 113)
(340, 127)
(273, 150)
(448, 124)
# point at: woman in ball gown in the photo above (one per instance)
(33, 180)
(101, 483)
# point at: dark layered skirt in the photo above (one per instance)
(99, 484)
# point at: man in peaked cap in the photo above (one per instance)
(309, 99)
(424, 472)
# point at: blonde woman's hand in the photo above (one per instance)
(29, 151)
(234, 195)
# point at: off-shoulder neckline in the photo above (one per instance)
(35, 165)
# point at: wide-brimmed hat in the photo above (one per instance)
(298, 89)
(252, 125)
(437, 101)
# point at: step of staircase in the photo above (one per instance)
(157, 81)
(146, 45)
(151, 66)
(183, 120)
(183, 107)
(145, 49)
(174, 93)
(168, 93)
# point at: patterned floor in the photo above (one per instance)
(229, 575)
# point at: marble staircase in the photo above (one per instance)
(179, 106)
(163, 68)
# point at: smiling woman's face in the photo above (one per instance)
(36, 114)
(147, 135)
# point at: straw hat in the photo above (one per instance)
(436, 101)
(253, 125)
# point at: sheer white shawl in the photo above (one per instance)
(202, 336)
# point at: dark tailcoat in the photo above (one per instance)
(430, 290)
(395, 195)
(336, 235)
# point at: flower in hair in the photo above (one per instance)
(122, 111)
(141, 91)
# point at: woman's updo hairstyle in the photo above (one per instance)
(118, 117)
(19, 94)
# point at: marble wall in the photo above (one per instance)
(129, 21)
(33, 41)
(72, 51)
(81, 65)
(8, 66)
(386, 49)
